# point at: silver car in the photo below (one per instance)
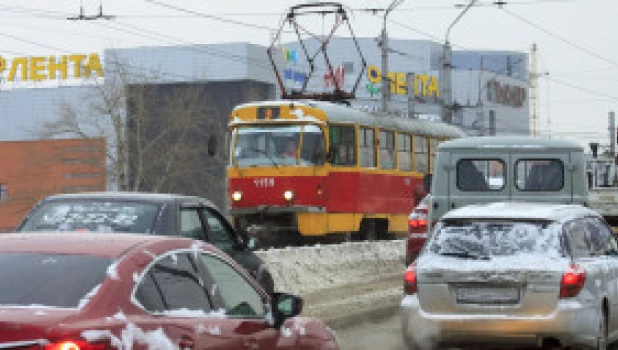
(514, 274)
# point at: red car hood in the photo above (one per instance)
(24, 324)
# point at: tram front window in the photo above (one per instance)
(278, 145)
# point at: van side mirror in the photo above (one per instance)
(427, 183)
(212, 145)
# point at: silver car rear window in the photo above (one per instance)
(494, 238)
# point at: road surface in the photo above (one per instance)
(382, 333)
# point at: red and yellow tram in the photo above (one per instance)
(317, 171)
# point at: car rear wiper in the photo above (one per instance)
(466, 255)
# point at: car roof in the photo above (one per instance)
(502, 142)
(520, 211)
(127, 195)
(95, 244)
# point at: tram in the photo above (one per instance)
(303, 171)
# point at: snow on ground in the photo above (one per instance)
(303, 270)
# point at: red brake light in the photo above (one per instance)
(75, 345)
(573, 281)
(409, 280)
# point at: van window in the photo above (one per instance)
(539, 175)
(481, 175)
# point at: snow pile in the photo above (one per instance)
(302, 270)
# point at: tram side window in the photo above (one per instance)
(387, 149)
(343, 145)
(433, 147)
(367, 149)
(312, 151)
(404, 152)
(421, 154)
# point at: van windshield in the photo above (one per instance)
(93, 215)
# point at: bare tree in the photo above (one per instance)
(158, 133)
(147, 128)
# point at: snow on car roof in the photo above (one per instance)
(520, 210)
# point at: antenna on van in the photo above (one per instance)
(333, 77)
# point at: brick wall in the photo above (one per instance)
(32, 170)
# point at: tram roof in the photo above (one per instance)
(340, 113)
(509, 142)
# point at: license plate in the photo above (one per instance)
(487, 295)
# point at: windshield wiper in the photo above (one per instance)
(466, 255)
(261, 151)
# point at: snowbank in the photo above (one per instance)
(303, 270)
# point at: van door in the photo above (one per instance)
(476, 179)
(542, 177)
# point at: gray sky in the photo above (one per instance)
(577, 47)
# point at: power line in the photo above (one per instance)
(213, 17)
(581, 88)
(578, 47)
(160, 37)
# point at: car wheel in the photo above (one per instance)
(265, 279)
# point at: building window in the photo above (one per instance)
(3, 192)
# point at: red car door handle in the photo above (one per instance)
(186, 343)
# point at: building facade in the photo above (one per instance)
(32, 170)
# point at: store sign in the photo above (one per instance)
(289, 55)
(334, 77)
(505, 94)
(295, 76)
(424, 85)
(38, 68)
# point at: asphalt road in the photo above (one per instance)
(383, 333)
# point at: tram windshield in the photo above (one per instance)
(275, 145)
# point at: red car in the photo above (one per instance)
(99, 291)
(417, 229)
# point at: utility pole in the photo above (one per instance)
(411, 96)
(446, 71)
(480, 114)
(386, 83)
(612, 144)
(534, 92)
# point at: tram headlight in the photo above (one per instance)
(236, 196)
(288, 195)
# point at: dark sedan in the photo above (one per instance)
(149, 213)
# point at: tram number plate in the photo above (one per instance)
(487, 295)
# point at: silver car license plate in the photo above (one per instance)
(487, 295)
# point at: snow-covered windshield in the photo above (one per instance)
(93, 215)
(274, 145)
(484, 239)
(57, 280)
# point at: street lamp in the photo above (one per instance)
(386, 84)
(446, 71)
